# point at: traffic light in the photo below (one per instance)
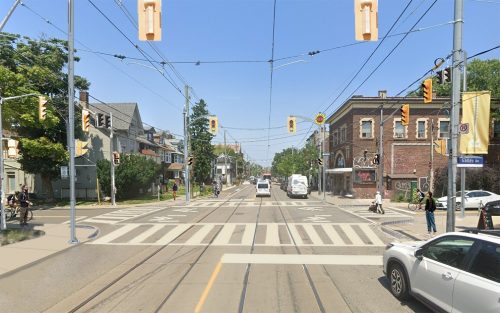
(405, 114)
(292, 125)
(149, 12)
(99, 120)
(190, 160)
(107, 121)
(213, 124)
(427, 90)
(366, 20)
(42, 108)
(320, 161)
(116, 158)
(85, 121)
(447, 75)
(81, 147)
(376, 159)
(439, 77)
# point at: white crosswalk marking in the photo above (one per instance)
(121, 215)
(252, 203)
(326, 234)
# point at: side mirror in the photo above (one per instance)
(419, 253)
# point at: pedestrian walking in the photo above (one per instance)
(24, 201)
(430, 207)
(215, 186)
(174, 190)
(378, 203)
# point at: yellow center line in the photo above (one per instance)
(210, 283)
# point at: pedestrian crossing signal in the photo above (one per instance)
(190, 160)
(213, 125)
(116, 158)
(320, 161)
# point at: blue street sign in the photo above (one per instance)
(470, 161)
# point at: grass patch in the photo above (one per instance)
(10, 236)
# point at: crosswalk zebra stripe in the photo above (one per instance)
(146, 234)
(303, 234)
(174, 233)
(224, 235)
(351, 234)
(198, 237)
(117, 233)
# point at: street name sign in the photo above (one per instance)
(470, 161)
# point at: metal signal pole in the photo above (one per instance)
(186, 166)
(455, 111)
(112, 156)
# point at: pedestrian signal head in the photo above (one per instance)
(291, 124)
(213, 125)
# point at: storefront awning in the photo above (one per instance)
(339, 170)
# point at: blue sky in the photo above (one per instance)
(241, 30)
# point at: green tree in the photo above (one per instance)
(104, 176)
(36, 66)
(201, 147)
(135, 173)
(296, 161)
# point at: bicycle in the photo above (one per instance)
(12, 211)
(415, 206)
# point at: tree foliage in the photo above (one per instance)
(134, 174)
(37, 66)
(296, 161)
(201, 147)
(104, 176)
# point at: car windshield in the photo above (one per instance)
(262, 186)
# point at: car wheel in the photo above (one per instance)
(398, 281)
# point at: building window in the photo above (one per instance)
(399, 129)
(421, 128)
(366, 128)
(343, 134)
(150, 136)
(168, 158)
(335, 138)
(444, 128)
(496, 129)
(11, 182)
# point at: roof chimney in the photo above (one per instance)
(382, 94)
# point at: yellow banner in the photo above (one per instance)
(474, 130)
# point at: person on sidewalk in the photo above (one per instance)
(430, 207)
(24, 201)
(174, 190)
(378, 203)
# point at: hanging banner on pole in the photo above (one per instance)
(475, 113)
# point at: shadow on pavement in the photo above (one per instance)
(412, 304)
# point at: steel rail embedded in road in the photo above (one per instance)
(149, 256)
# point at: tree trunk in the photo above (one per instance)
(47, 187)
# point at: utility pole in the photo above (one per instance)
(320, 167)
(2, 180)
(71, 118)
(431, 168)
(325, 161)
(112, 156)
(4, 21)
(381, 153)
(225, 157)
(455, 110)
(186, 166)
(462, 169)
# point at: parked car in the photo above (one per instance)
(493, 207)
(473, 199)
(457, 271)
(263, 188)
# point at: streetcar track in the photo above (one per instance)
(148, 257)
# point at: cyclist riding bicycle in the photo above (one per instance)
(420, 197)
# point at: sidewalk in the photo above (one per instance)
(414, 227)
(56, 239)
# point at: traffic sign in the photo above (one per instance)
(464, 128)
(320, 119)
(470, 161)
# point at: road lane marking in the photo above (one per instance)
(233, 258)
(371, 234)
(248, 235)
(294, 234)
(224, 235)
(209, 285)
(313, 235)
(333, 235)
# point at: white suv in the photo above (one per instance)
(454, 272)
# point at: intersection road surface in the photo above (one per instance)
(236, 253)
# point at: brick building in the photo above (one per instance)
(354, 138)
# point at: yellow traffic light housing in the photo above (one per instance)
(213, 125)
(427, 90)
(85, 121)
(42, 108)
(366, 20)
(405, 114)
(291, 124)
(81, 147)
(149, 12)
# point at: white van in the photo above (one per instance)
(297, 186)
(263, 188)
